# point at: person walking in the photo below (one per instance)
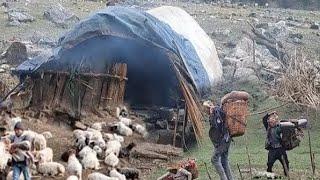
(273, 142)
(221, 140)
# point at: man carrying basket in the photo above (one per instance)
(226, 121)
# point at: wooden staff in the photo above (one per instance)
(241, 177)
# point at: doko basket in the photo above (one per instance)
(236, 114)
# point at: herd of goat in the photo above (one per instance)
(99, 143)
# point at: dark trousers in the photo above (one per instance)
(278, 154)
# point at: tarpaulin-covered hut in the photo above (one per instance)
(146, 43)
(152, 52)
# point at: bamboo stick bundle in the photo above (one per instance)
(192, 103)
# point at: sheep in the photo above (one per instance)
(140, 130)
(98, 142)
(86, 150)
(72, 177)
(98, 125)
(39, 142)
(121, 111)
(96, 138)
(125, 152)
(118, 138)
(51, 168)
(4, 154)
(44, 155)
(124, 130)
(90, 161)
(47, 134)
(114, 136)
(77, 133)
(65, 156)
(31, 134)
(125, 120)
(81, 142)
(111, 160)
(113, 146)
(116, 174)
(93, 133)
(130, 173)
(74, 167)
(99, 151)
(99, 176)
(10, 176)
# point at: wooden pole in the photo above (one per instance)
(185, 121)
(241, 177)
(310, 149)
(248, 154)
(208, 174)
(311, 154)
(175, 125)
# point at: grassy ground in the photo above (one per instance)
(255, 138)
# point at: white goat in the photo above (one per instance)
(45, 155)
(116, 174)
(99, 151)
(111, 160)
(39, 142)
(125, 120)
(140, 130)
(74, 167)
(124, 130)
(99, 176)
(98, 125)
(72, 178)
(5, 155)
(114, 147)
(84, 151)
(90, 161)
(51, 168)
(47, 134)
(114, 136)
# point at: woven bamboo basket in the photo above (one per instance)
(236, 113)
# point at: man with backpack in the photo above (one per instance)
(221, 140)
(274, 142)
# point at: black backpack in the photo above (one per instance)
(290, 137)
(218, 128)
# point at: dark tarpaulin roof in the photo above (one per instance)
(128, 35)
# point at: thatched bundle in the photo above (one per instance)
(298, 83)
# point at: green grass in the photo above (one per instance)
(255, 138)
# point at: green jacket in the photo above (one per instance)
(274, 136)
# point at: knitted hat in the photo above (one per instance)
(19, 126)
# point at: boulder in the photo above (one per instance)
(16, 53)
(314, 26)
(60, 16)
(40, 39)
(19, 16)
(253, 14)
